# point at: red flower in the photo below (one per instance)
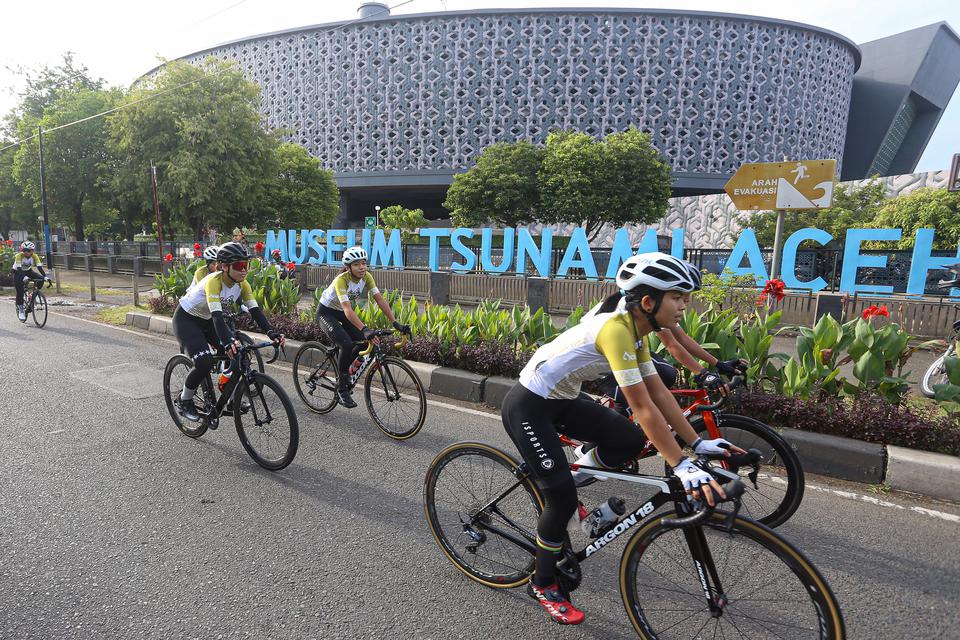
(168, 257)
(291, 266)
(276, 254)
(197, 253)
(873, 311)
(258, 247)
(775, 288)
(196, 246)
(9, 242)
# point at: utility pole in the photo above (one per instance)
(47, 245)
(156, 211)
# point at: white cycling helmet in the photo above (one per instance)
(695, 275)
(210, 253)
(655, 270)
(26, 245)
(353, 254)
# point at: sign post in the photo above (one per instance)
(953, 184)
(370, 222)
(765, 186)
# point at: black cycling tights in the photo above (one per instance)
(19, 285)
(196, 336)
(342, 332)
(533, 422)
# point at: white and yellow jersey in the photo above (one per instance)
(210, 294)
(347, 288)
(21, 261)
(604, 343)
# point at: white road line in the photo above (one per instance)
(849, 495)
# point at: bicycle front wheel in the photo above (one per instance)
(760, 585)
(935, 374)
(266, 422)
(395, 398)
(471, 487)
(40, 310)
(315, 374)
(780, 484)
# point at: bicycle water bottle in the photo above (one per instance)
(224, 378)
(355, 365)
(604, 516)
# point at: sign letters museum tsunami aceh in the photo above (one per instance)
(318, 246)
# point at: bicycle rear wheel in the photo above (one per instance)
(769, 589)
(395, 398)
(315, 374)
(174, 377)
(40, 309)
(268, 429)
(461, 482)
(780, 483)
(936, 373)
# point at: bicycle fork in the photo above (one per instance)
(706, 570)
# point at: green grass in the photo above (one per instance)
(116, 315)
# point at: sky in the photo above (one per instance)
(120, 40)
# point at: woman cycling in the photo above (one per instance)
(210, 256)
(684, 349)
(198, 321)
(548, 396)
(24, 263)
(340, 322)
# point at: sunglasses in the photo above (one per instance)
(240, 266)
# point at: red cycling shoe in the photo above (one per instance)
(551, 599)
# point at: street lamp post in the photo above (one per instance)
(377, 209)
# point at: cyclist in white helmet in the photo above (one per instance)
(26, 266)
(547, 401)
(681, 346)
(340, 322)
(210, 266)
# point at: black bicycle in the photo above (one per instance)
(262, 412)
(690, 571)
(392, 391)
(936, 373)
(34, 302)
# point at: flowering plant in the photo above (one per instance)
(873, 311)
(774, 288)
(168, 257)
(258, 248)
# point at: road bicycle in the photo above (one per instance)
(230, 319)
(688, 571)
(34, 302)
(775, 494)
(262, 412)
(937, 372)
(392, 391)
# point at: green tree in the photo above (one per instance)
(853, 207)
(928, 207)
(302, 194)
(407, 220)
(44, 86)
(619, 180)
(501, 187)
(201, 126)
(16, 210)
(73, 156)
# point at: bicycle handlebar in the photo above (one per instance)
(379, 333)
(735, 382)
(733, 490)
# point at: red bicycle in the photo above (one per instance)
(776, 491)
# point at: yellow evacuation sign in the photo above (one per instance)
(800, 184)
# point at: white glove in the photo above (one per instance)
(717, 446)
(691, 475)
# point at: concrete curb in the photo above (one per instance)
(930, 474)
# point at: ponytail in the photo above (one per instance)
(611, 302)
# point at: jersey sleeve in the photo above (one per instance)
(17, 261)
(645, 360)
(199, 274)
(617, 344)
(212, 290)
(369, 283)
(340, 287)
(246, 296)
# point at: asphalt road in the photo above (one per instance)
(114, 525)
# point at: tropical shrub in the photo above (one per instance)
(274, 294)
(178, 278)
